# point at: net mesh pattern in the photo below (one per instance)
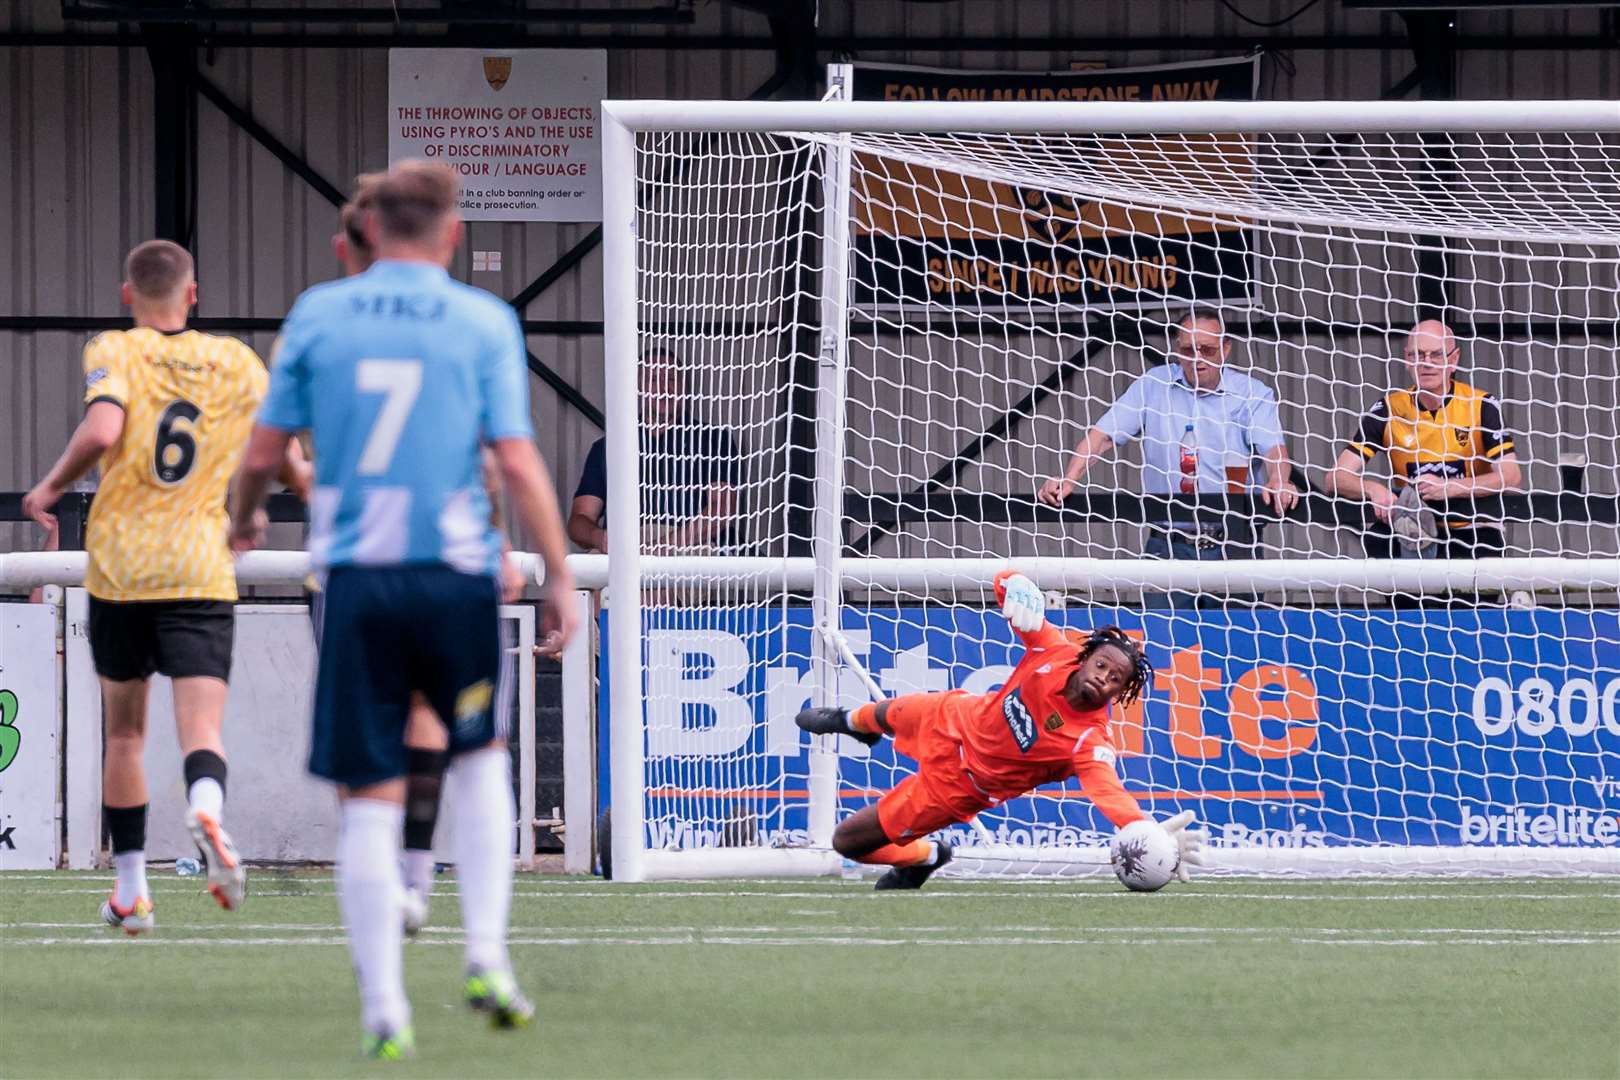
(1006, 292)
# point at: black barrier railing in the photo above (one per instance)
(73, 512)
(892, 510)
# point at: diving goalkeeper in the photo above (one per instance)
(1048, 722)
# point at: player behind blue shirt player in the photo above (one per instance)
(399, 374)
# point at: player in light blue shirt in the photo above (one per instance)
(397, 428)
(400, 374)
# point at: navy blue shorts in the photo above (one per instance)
(386, 631)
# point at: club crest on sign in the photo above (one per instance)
(497, 69)
(1052, 218)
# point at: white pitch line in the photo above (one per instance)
(167, 889)
(824, 941)
(202, 927)
(826, 887)
(1454, 941)
(538, 934)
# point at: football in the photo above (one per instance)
(1144, 856)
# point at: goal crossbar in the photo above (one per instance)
(1070, 117)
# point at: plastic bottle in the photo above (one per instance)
(187, 867)
(1189, 461)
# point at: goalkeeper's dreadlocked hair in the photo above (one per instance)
(1141, 670)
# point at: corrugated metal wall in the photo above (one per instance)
(77, 167)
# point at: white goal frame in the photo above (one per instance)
(827, 575)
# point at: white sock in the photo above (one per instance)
(480, 783)
(131, 867)
(207, 797)
(371, 897)
(419, 871)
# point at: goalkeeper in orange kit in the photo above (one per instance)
(1048, 722)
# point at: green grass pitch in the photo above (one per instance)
(825, 978)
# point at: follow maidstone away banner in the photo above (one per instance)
(937, 235)
(1279, 727)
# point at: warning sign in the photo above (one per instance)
(521, 127)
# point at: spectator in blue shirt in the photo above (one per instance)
(689, 473)
(1234, 420)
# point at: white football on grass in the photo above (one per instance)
(1144, 856)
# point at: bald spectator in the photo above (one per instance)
(1234, 419)
(1445, 438)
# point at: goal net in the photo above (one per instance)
(849, 347)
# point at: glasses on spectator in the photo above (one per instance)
(1429, 356)
(1209, 351)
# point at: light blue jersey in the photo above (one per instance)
(400, 374)
(1233, 422)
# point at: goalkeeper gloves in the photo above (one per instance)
(1023, 603)
(1189, 842)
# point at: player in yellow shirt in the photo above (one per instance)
(168, 414)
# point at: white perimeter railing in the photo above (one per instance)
(79, 715)
(27, 570)
(286, 814)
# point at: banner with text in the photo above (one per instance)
(30, 742)
(521, 127)
(1280, 728)
(941, 236)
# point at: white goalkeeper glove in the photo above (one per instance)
(1189, 842)
(1023, 603)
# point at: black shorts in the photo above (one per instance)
(385, 632)
(133, 639)
(1479, 542)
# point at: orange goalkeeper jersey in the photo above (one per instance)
(1027, 734)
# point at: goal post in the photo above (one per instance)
(819, 309)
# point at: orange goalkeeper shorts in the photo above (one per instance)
(941, 793)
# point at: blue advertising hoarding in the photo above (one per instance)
(1278, 727)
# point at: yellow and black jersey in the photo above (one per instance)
(158, 526)
(1460, 438)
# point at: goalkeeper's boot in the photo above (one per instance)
(833, 721)
(912, 877)
(133, 920)
(496, 993)
(227, 878)
(389, 1044)
(416, 911)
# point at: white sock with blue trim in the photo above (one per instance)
(371, 895)
(481, 785)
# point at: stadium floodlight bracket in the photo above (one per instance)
(1463, 6)
(676, 12)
